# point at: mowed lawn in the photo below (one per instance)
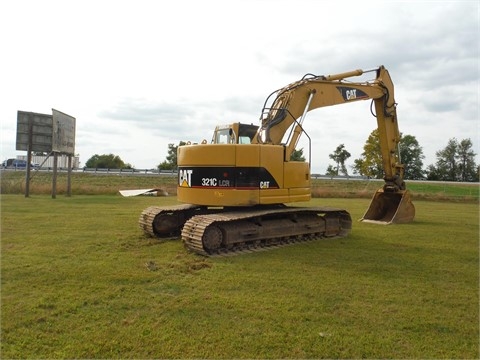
(80, 280)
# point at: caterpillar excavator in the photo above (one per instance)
(235, 190)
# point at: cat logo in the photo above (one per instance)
(264, 184)
(349, 93)
(185, 178)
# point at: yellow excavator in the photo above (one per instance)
(235, 189)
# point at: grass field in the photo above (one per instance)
(13, 182)
(80, 280)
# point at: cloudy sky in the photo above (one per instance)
(138, 75)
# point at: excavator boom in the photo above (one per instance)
(391, 204)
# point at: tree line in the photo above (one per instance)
(455, 162)
(107, 161)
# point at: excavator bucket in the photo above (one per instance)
(390, 208)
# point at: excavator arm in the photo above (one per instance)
(294, 101)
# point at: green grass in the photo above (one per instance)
(429, 190)
(13, 182)
(80, 280)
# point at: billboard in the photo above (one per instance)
(41, 131)
(63, 139)
(48, 133)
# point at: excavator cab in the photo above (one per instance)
(235, 133)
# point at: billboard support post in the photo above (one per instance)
(69, 176)
(29, 154)
(54, 175)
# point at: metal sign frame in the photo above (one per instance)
(54, 134)
(63, 136)
(35, 127)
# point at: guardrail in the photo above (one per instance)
(97, 170)
(106, 171)
(174, 173)
(129, 171)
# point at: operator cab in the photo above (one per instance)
(235, 133)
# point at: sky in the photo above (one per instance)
(139, 75)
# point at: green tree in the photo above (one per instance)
(411, 154)
(170, 162)
(455, 162)
(467, 169)
(331, 171)
(340, 155)
(106, 161)
(446, 161)
(371, 164)
(297, 155)
(433, 173)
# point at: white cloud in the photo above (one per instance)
(138, 75)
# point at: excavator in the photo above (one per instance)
(235, 189)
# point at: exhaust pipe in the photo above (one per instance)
(390, 208)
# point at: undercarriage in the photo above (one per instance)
(217, 231)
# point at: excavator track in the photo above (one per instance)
(166, 222)
(237, 232)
